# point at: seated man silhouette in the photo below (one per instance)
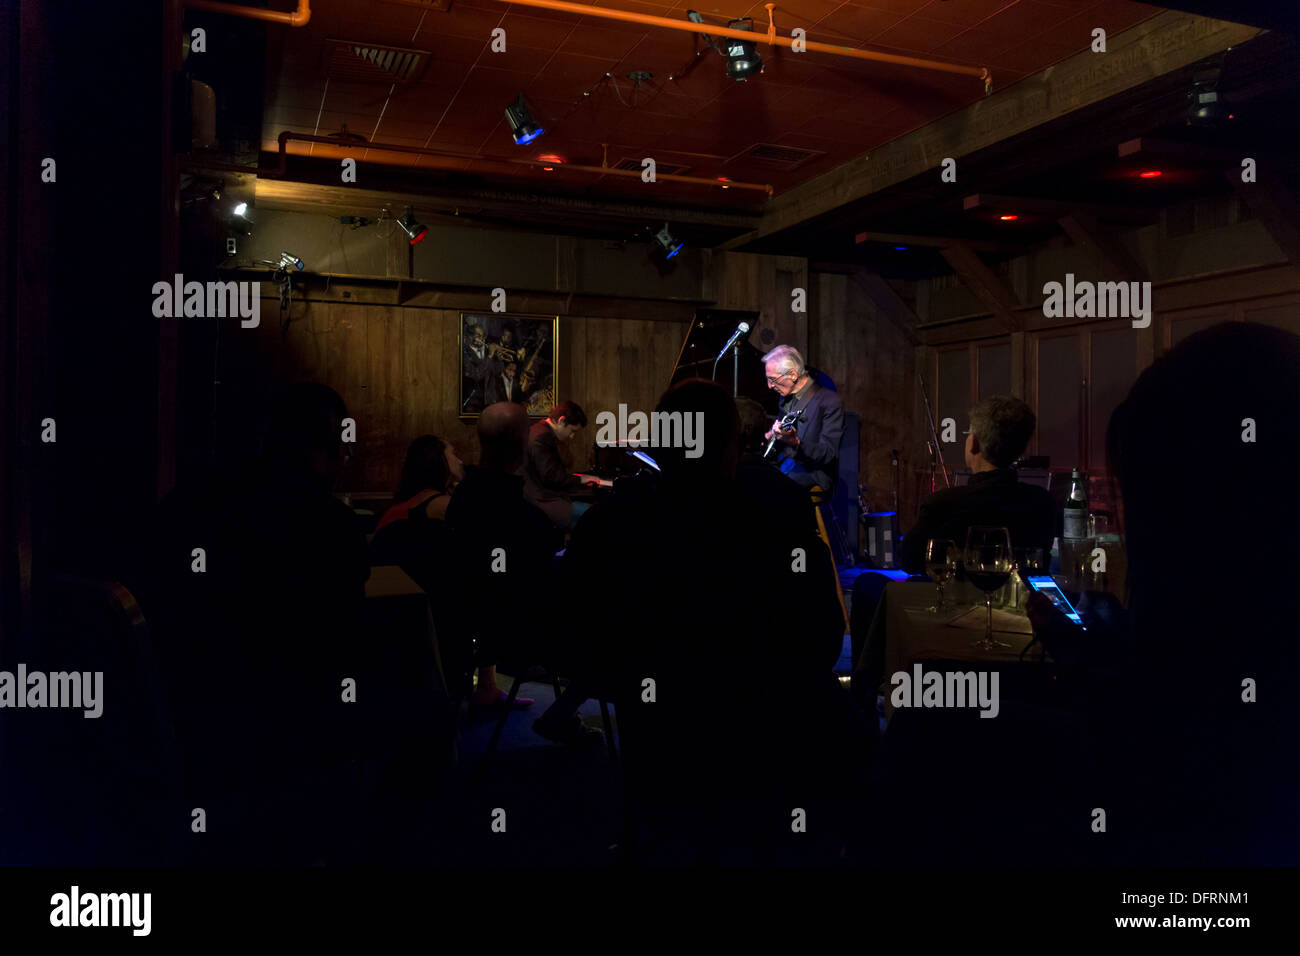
(1000, 429)
(703, 598)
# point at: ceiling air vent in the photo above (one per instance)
(349, 62)
(661, 169)
(784, 158)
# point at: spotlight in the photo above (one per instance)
(241, 219)
(1008, 218)
(521, 122)
(1205, 107)
(669, 245)
(742, 60)
(287, 260)
(414, 231)
(1151, 174)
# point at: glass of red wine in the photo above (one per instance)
(987, 562)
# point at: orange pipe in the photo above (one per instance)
(650, 20)
(296, 19)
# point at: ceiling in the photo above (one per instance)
(689, 115)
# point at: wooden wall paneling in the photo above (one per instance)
(1019, 366)
(423, 374)
(873, 364)
(1282, 312)
(1112, 354)
(388, 422)
(573, 383)
(1177, 325)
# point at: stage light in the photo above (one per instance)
(743, 60)
(1205, 106)
(724, 180)
(414, 231)
(900, 248)
(1150, 173)
(521, 122)
(1008, 218)
(241, 209)
(666, 242)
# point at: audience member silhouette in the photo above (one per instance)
(412, 533)
(507, 552)
(255, 597)
(1194, 703)
(778, 492)
(718, 632)
(1000, 429)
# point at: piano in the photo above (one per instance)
(706, 336)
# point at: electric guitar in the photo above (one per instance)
(785, 424)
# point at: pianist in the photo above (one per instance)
(547, 481)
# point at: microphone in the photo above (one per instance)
(740, 330)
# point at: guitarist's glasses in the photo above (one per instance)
(784, 375)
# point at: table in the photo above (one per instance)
(903, 632)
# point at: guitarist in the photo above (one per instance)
(809, 452)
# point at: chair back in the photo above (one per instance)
(112, 783)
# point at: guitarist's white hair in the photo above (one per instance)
(786, 356)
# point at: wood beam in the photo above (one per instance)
(1166, 42)
(888, 303)
(1183, 152)
(985, 283)
(421, 293)
(1056, 208)
(1277, 209)
(349, 200)
(1087, 233)
(939, 242)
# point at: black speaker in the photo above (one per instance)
(881, 529)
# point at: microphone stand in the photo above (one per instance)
(735, 369)
(936, 456)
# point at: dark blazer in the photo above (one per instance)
(996, 498)
(818, 455)
(548, 484)
(494, 388)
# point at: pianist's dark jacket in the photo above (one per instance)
(996, 498)
(547, 482)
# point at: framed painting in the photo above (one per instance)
(508, 358)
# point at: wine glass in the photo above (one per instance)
(987, 562)
(940, 565)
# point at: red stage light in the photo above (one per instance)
(1150, 173)
(1008, 218)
